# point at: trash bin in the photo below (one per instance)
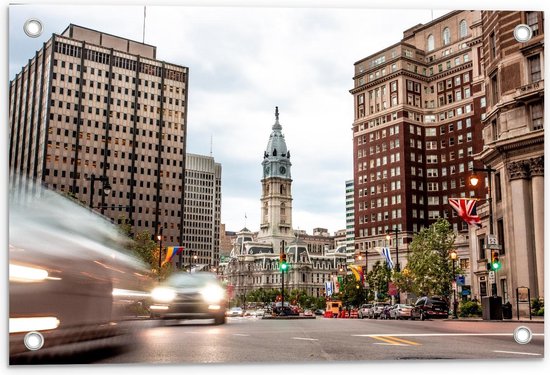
(507, 311)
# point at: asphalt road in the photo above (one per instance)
(253, 340)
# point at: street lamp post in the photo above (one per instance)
(106, 187)
(455, 300)
(159, 238)
(397, 267)
(474, 180)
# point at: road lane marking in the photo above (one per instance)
(240, 334)
(405, 341)
(305, 338)
(388, 340)
(522, 353)
(383, 343)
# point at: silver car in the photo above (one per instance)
(401, 311)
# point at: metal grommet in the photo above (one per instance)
(523, 335)
(33, 340)
(523, 33)
(33, 28)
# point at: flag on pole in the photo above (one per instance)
(171, 252)
(387, 256)
(357, 272)
(466, 209)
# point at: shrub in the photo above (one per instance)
(537, 307)
(469, 309)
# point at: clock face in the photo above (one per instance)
(282, 170)
(266, 170)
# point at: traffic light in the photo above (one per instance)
(495, 262)
(283, 262)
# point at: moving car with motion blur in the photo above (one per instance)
(185, 295)
(70, 279)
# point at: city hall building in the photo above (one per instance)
(254, 260)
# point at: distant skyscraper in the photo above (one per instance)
(94, 104)
(350, 217)
(202, 212)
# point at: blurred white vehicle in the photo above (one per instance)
(68, 271)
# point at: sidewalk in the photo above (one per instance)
(536, 319)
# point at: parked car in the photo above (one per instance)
(430, 308)
(385, 313)
(308, 312)
(364, 310)
(235, 311)
(377, 309)
(401, 311)
(319, 312)
(186, 295)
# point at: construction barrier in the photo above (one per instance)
(353, 314)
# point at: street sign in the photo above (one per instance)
(494, 247)
(492, 240)
(491, 277)
(460, 279)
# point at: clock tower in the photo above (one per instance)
(276, 201)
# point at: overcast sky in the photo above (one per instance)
(243, 62)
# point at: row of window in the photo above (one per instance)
(119, 62)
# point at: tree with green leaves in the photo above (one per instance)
(351, 291)
(378, 279)
(145, 248)
(429, 269)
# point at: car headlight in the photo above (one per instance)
(212, 293)
(163, 294)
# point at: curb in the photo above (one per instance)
(496, 321)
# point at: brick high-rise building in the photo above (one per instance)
(418, 107)
(94, 104)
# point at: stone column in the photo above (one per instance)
(522, 237)
(536, 168)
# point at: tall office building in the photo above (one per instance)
(203, 197)
(91, 107)
(418, 106)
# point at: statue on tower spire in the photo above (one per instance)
(277, 113)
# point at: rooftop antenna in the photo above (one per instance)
(432, 14)
(245, 219)
(211, 145)
(144, 15)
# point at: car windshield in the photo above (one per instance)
(185, 279)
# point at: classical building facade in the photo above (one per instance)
(90, 105)
(418, 107)
(513, 135)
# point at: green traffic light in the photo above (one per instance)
(284, 266)
(496, 266)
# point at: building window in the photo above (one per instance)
(431, 42)
(481, 244)
(446, 36)
(498, 188)
(463, 29)
(533, 22)
(493, 44)
(500, 235)
(494, 89)
(537, 116)
(534, 68)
